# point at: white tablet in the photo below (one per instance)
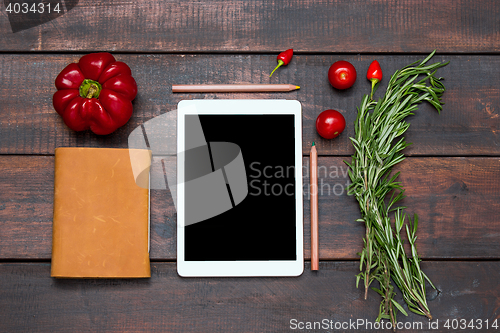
(239, 192)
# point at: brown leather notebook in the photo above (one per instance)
(101, 215)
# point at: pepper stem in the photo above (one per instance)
(280, 63)
(93, 88)
(374, 83)
(90, 89)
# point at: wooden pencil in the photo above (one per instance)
(205, 88)
(313, 180)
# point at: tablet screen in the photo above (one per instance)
(263, 225)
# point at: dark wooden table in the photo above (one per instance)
(452, 173)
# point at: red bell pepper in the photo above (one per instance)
(95, 93)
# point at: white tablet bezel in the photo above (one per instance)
(244, 267)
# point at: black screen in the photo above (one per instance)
(263, 225)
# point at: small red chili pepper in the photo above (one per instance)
(374, 74)
(283, 59)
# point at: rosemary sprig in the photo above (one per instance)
(378, 143)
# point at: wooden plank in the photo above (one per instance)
(468, 125)
(264, 26)
(457, 200)
(32, 301)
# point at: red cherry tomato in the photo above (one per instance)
(330, 124)
(342, 75)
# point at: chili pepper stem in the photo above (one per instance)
(280, 63)
(374, 83)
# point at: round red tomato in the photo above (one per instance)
(342, 75)
(330, 124)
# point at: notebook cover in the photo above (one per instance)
(101, 216)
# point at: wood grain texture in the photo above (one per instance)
(265, 26)
(32, 301)
(468, 125)
(452, 176)
(457, 200)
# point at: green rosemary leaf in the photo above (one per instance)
(428, 280)
(378, 291)
(400, 308)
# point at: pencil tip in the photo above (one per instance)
(314, 144)
(297, 87)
